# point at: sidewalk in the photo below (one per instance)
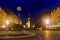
(15, 34)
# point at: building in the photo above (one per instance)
(28, 23)
(55, 15)
(3, 16)
(10, 16)
(13, 18)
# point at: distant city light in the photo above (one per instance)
(3, 26)
(24, 26)
(33, 26)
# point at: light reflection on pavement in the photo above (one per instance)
(47, 35)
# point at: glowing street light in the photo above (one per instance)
(7, 22)
(47, 21)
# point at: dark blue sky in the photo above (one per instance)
(34, 7)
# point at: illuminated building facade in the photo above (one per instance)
(8, 15)
(55, 15)
(3, 16)
(13, 18)
(28, 23)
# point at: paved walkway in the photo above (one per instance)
(15, 34)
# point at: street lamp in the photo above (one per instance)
(19, 9)
(47, 22)
(7, 22)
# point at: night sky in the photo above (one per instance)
(32, 7)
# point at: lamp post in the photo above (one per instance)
(7, 23)
(47, 22)
(19, 9)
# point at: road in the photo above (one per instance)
(39, 35)
(48, 35)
